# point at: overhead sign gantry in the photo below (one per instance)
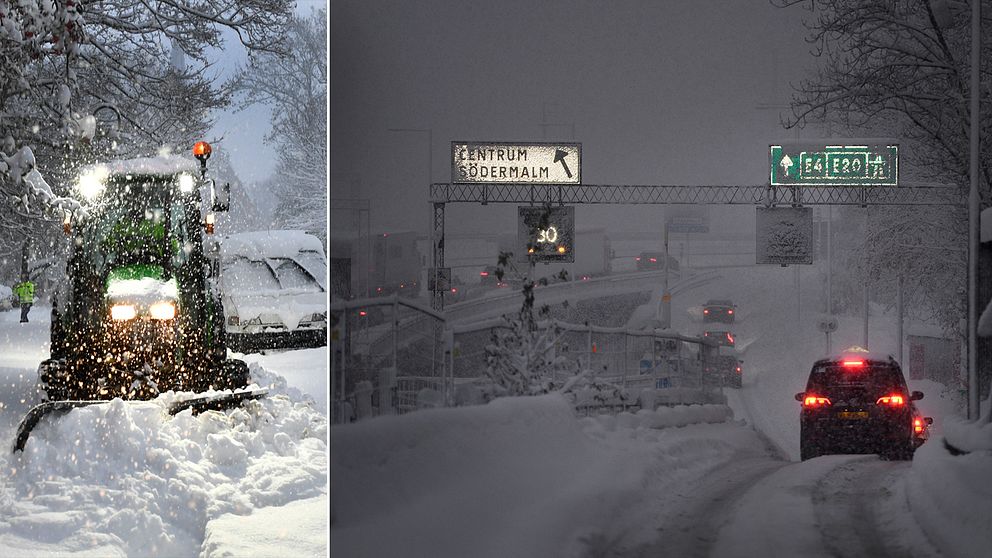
(842, 172)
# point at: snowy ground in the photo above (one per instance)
(525, 477)
(124, 479)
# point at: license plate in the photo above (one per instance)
(853, 414)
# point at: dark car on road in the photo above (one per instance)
(859, 404)
(719, 311)
(655, 261)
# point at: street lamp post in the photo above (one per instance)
(973, 215)
(430, 178)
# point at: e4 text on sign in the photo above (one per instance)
(516, 163)
(834, 165)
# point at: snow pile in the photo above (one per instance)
(126, 478)
(162, 165)
(270, 532)
(666, 417)
(520, 476)
(951, 498)
(146, 290)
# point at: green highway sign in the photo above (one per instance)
(856, 164)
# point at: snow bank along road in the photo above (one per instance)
(125, 479)
(526, 477)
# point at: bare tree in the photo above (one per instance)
(82, 80)
(294, 84)
(899, 68)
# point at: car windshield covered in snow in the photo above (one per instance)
(243, 275)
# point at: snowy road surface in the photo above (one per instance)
(525, 477)
(125, 479)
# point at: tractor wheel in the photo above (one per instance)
(53, 381)
(233, 374)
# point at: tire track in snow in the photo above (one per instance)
(694, 530)
(853, 505)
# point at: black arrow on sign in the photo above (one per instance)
(560, 158)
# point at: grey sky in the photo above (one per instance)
(658, 92)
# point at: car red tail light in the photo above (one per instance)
(654, 260)
(484, 273)
(917, 425)
(814, 401)
(638, 258)
(894, 400)
(706, 311)
(853, 363)
(738, 369)
(730, 311)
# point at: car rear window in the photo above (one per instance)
(881, 376)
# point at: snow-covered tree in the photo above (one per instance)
(900, 69)
(522, 358)
(294, 84)
(81, 81)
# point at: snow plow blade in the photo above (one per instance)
(197, 404)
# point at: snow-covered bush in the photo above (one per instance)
(522, 358)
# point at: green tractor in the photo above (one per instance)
(139, 313)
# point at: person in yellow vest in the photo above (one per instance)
(25, 295)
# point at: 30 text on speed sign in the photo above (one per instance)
(516, 163)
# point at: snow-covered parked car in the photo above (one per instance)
(274, 290)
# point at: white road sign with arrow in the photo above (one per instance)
(516, 163)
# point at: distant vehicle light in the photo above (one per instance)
(730, 337)
(738, 369)
(854, 363)
(484, 273)
(530, 250)
(561, 249)
(162, 311)
(638, 258)
(454, 290)
(363, 313)
(122, 312)
(730, 311)
(653, 260)
(706, 311)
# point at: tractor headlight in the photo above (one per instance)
(186, 183)
(91, 184)
(162, 311)
(122, 312)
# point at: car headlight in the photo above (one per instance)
(162, 311)
(122, 312)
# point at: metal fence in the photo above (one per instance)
(394, 356)
(383, 351)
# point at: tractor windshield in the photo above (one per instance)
(140, 222)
